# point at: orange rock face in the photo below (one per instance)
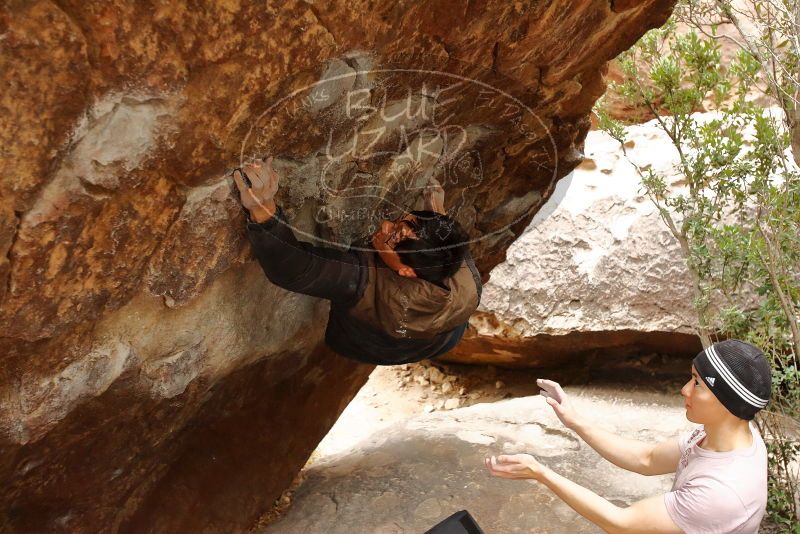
(151, 378)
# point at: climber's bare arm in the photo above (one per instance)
(258, 197)
(434, 196)
(648, 515)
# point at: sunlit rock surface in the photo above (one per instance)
(151, 379)
(596, 273)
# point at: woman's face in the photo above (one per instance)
(702, 406)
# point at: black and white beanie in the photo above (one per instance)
(738, 374)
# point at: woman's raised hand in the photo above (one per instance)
(559, 401)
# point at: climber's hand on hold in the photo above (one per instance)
(258, 197)
(434, 196)
(559, 401)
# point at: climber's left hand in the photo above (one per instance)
(515, 466)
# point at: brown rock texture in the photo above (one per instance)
(151, 379)
(572, 349)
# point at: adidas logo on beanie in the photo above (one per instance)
(738, 374)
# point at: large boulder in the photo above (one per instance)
(410, 476)
(596, 272)
(151, 379)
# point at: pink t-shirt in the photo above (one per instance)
(719, 492)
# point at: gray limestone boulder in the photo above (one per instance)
(596, 270)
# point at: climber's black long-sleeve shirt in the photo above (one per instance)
(339, 276)
(301, 267)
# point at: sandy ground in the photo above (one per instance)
(396, 393)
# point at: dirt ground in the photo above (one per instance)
(398, 392)
(395, 393)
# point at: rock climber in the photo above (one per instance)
(403, 297)
(721, 465)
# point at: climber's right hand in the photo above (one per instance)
(259, 196)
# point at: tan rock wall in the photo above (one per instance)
(150, 376)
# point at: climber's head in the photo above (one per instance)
(392, 232)
(431, 243)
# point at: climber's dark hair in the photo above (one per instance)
(439, 249)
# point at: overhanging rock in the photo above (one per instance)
(151, 378)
